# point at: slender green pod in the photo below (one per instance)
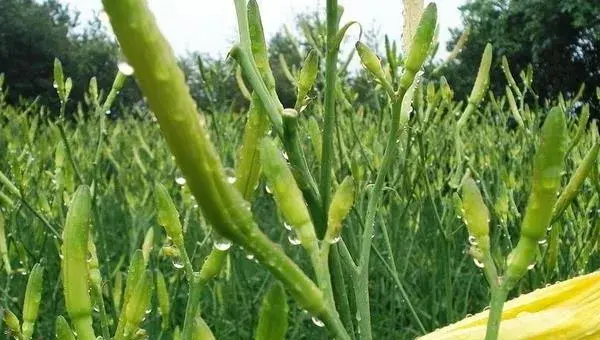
(513, 107)
(59, 79)
(273, 317)
(117, 292)
(341, 203)
(421, 43)
(576, 181)
(475, 213)
(314, 131)
(547, 168)
(74, 263)
(3, 246)
(12, 322)
(148, 244)
(164, 304)
(33, 296)
(584, 117)
(259, 45)
(307, 77)
(138, 304)
(285, 190)
(63, 330)
(167, 214)
(213, 264)
(96, 284)
(509, 77)
(247, 167)
(480, 86)
(372, 64)
(134, 274)
(239, 78)
(200, 330)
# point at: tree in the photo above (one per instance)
(32, 34)
(560, 38)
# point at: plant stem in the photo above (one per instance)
(499, 295)
(329, 114)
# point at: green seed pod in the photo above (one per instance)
(372, 64)
(314, 132)
(447, 92)
(284, 187)
(117, 290)
(167, 215)
(213, 264)
(63, 330)
(259, 46)
(134, 274)
(93, 265)
(148, 244)
(241, 84)
(547, 167)
(308, 75)
(164, 304)
(68, 88)
(33, 296)
(93, 91)
(483, 76)
(513, 107)
(341, 203)
(177, 333)
(430, 92)
(138, 304)
(420, 46)
(273, 318)
(576, 181)
(509, 77)
(12, 322)
(3, 247)
(475, 213)
(59, 79)
(201, 331)
(74, 263)
(583, 120)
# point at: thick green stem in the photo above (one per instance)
(330, 92)
(499, 295)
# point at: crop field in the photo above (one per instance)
(323, 220)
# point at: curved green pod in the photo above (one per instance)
(307, 77)
(273, 317)
(164, 304)
(341, 203)
(12, 322)
(138, 304)
(33, 296)
(63, 330)
(547, 167)
(213, 264)
(74, 263)
(576, 181)
(3, 247)
(420, 46)
(167, 214)
(259, 45)
(281, 181)
(475, 213)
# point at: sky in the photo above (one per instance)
(209, 26)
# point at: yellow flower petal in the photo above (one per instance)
(566, 310)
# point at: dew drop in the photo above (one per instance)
(268, 189)
(231, 179)
(293, 239)
(334, 240)
(55, 85)
(478, 263)
(250, 256)
(472, 240)
(222, 244)
(287, 226)
(180, 180)
(542, 242)
(531, 266)
(317, 322)
(177, 262)
(125, 68)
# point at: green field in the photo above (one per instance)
(424, 269)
